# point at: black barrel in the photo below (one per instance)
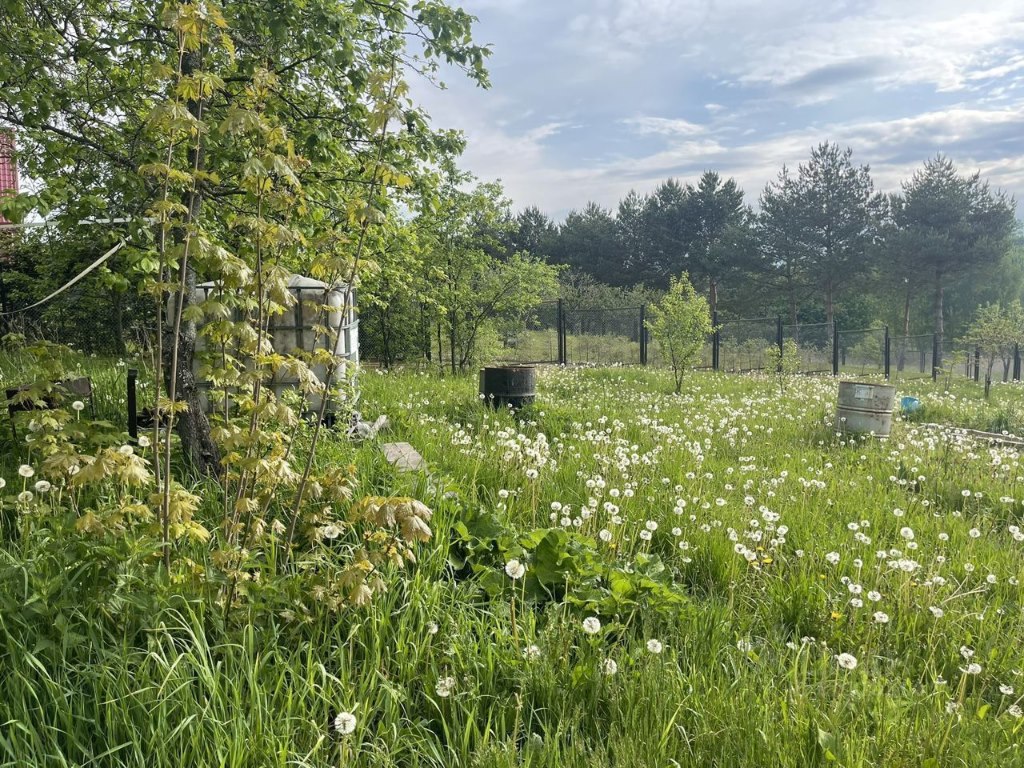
(511, 385)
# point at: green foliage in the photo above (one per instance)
(996, 332)
(472, 280)
(106, 662)
(681, 324)
(949, 225)
(563, 567)
(782, 363)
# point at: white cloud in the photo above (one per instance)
(663, 126)
(944, 43)
(760, 79)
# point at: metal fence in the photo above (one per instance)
(557, 332)
(94, 319)
(742, 345)
(865, 351)
(91, 319)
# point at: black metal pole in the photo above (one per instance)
(778, 332)
(133, 413)
(643, 334)
(888, 353)
(564, 331)
(977, 363)
(1016, 362)
(716, 342)
(935, 357)
(835, 348)
(4, 309)
(559, 325)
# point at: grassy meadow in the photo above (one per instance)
(618, 576)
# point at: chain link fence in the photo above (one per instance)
(743, 344)
(604, 336)
(90, 319)
(864, 352)
(533, 337)
(814, 344)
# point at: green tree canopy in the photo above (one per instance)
(950, 224)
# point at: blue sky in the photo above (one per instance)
(592, 98)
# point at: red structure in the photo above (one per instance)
(8, 167)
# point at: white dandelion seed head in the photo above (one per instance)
(445, 686)
(344, 723)
(846, 661)
(515, 569)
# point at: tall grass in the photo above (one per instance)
(100, 668)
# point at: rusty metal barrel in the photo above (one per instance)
(508, 385)
(865, 408)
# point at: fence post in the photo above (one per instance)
(4, 309)
(977, 363)
(643, 334)
(716, 342)
(887, 353)
(1016, 362)
(559, 331)
(778, 332)
(133, 411)
(935, 357)
(835, 348)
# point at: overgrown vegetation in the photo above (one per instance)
(616, 574)
(612, 576)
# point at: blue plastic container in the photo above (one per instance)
(909, 404)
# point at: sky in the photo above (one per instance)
(592, 98)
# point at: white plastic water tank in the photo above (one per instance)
(315, 305)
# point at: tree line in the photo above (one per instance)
(822, 244)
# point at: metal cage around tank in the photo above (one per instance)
(316, 307)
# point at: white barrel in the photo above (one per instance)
(865, 408)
